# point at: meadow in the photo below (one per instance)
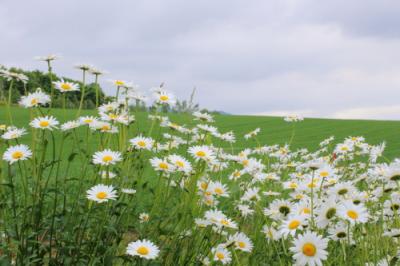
(115, 186)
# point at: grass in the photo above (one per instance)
(273, 129)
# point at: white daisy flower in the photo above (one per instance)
(107, 157)
(17, 153)
(309, 249)
(222, 255)
(13, 133)
(143, 248)
(46, 122)
(353, 213)
(202, 153)
(70, 125)
(101, 193)
(241, 242)
(35, 99)
(65, 86)
(142, 143)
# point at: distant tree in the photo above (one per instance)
(38, 79)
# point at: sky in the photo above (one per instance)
(332, 59)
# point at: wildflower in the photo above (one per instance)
(13, 133)
(107, 157)
(222, 255)
(143, 248)
(142, 143)
(65, 86)
(202, 153)
(163, 97)
(101, 193)
(46, 122)
(144, 217)
(241, 242)
(35, 99)
(310, 249)
(70, 125)
(17, 153)
(353, 213)
(161, 165)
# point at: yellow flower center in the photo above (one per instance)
(204, 185)
(220, 255)
(352, 214)
(112, 116)
(163, 165)
(142, 250)
(293, 185)
(241, 244)
(324, 174)
(245, 162)
(88, 121)
(105, 128)
(107, 158)
(224, 222)
(141, 143)
(44, 123)
(309, 249)
(119, 82)
(34, 101)
(294, 224)
(65, 86)
(180, 164)
(201, 153)
(17, 155)
(164, 98)
(306, 210)
(101, 195)
(219, 191)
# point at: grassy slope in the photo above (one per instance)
(273, 130)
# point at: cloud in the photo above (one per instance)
(243, 57)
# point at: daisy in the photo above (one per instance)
(326, 212)
(144, 217)
(202, 153)
(17, 153)
(87, 120)
(218, 189)
(353, 213)
(241, 242)
(101, 193)
(163, 97)
(206, 117)
(46, 122)
(142, 143)
(180, 163)
(35, 99)
(143, 248)
(222, 255)
(70, 125)
(107, 157)
(13, 133)
(310, 249)
(65, 86)
(252, 134)
(161, 165)
(291, 225)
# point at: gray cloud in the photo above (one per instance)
(326, 58)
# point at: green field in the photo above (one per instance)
(274, 130)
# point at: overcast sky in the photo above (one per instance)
(317, 58)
